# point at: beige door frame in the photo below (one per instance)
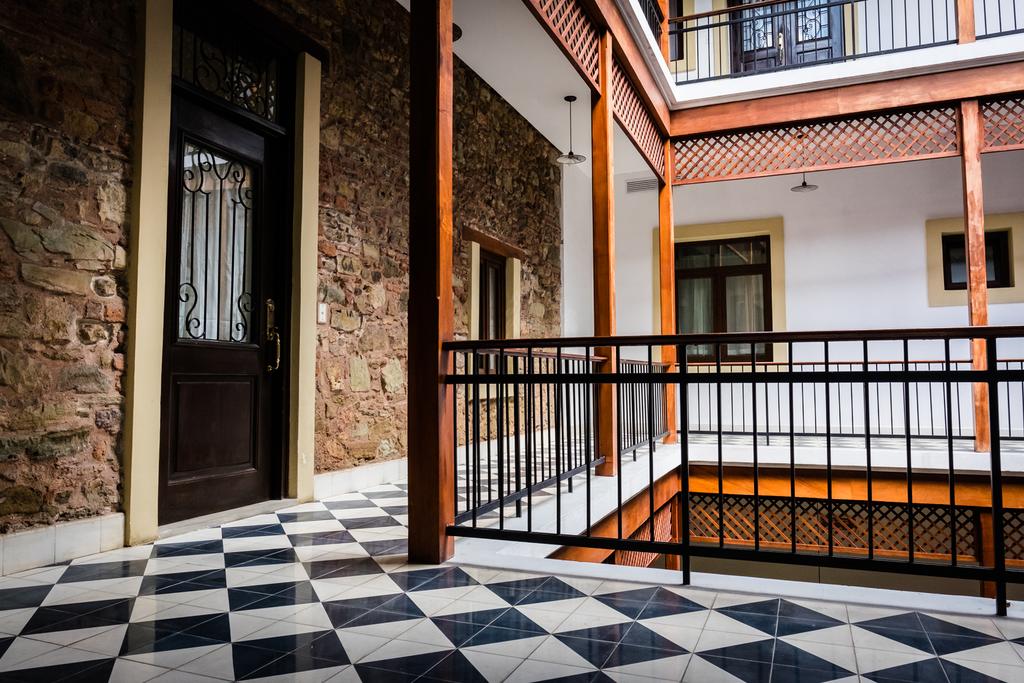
(147, 254)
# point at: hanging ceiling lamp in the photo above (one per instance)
(804, 186)
(571, 158)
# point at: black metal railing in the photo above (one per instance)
(994, 18)
(651, 10)
(561, 504)
(642, 416)
(776, 35)
(927, 404)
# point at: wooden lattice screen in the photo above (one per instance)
(849, 526)
(838, 143)
(662, 532)
(570, 24)
(1004, 123)
(634, 118)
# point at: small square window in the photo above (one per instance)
(997, 260)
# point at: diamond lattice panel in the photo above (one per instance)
(838, 143)
(1004, 123)
(570, 22)
(634, 118)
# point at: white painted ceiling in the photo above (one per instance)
(506, 46)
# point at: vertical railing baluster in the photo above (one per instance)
(586, 430)
(828, 455)
(996, 469)
(500, 418)
(867, 451)
(530, 440)
(684, 455)
(650, 437)
(757, 469)
(721, 468)
(953, 533)
(558, 441)
(792, 455)
(616, 363)
(910, 464)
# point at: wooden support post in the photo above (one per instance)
(985, 551)
(667, 283)
(666, 51)
(972, 132)
(675, 562)
(965, 30)
(602, 145)
(431, 463)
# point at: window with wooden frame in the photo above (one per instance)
(998, 260)
(725, 286)
(492, 296)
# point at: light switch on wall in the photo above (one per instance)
(321, 313)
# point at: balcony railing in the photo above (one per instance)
(727, 409)
(993, 18)
(776, 35)
(536, 477)
(651, 10)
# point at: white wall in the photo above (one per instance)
(577, 252)
(854, 250)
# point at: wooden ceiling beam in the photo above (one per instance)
(607, 12)
(910, 91)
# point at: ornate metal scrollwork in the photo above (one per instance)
(215, 257)
(245, 81)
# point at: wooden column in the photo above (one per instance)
(602, 145)
(972, 133)
(667, 282)
(665, 50)
(965, 31)
(431, 485)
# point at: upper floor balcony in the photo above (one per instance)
(716, 50)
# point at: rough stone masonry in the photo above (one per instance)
(65, 147)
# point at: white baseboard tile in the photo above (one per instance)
(356, 478)
(60, 542)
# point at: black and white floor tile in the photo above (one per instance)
(323, 591)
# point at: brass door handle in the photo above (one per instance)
(277, 351)
(273, 335)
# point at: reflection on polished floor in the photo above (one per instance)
(322, 591)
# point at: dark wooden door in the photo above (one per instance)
(772, 35)
(223, 369)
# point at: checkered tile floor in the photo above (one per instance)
(323, 592)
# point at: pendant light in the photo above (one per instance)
(804, 186)
(571, 158)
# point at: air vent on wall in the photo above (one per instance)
(642, 185)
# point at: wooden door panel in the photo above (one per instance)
(219, 443)
(213, 420)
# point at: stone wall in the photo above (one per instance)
(506, 185)
(65, 105)
(65, 148)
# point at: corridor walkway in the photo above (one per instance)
(322, 591)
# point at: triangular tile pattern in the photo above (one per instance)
(323, 591)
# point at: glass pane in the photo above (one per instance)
(758, 28)
(696, 310)
(957, 263)
(246, 81)
(744, 253)
(493, 304)
(813, 22)
(744, 309)
(698, 256)
(215, 275)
